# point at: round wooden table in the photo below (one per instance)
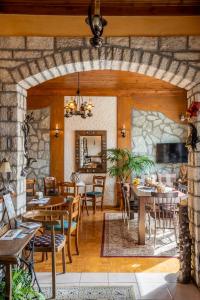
(53, 202)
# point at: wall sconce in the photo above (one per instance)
(57, 131)
(182, 117)
(123, 131)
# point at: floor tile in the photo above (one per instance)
(156, 291)
(184, 291)
(156, 277)
(121, 277)
(60, 277)
(94, 277)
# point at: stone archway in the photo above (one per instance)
(155, 64)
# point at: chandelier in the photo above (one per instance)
(76, 106)
(96, 23)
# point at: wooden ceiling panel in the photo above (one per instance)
(105, 82)
(108, 7)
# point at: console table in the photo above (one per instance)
(9, 255)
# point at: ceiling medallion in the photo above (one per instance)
(76, 106)
(96, 23)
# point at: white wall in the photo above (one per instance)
(104, 118)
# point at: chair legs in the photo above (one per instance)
(76, 242)
(102, 204)
(69, 248)
(63, 260)
(94, 206)
(53, 275)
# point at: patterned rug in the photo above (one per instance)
(122, 241)
(94, 293)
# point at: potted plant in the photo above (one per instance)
(124, 163)
(22, 287)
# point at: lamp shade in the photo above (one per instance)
(5, 167)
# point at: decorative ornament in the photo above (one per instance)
(193, 138)
(26, 130)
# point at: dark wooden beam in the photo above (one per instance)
(108, 8)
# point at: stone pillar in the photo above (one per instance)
(12, 112)
(194, 192)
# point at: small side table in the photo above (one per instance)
(9, 255)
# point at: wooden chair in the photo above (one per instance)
(97, 194)
(67, 189)
(30, 187)
(50, 186)
(164, 212)
(71, 225)
(49, 241)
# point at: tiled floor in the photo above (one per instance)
(147, 286)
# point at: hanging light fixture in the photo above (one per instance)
(96, 23)
(76, 106)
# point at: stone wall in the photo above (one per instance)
(39, 145)
(28, 61)
(150, 128)
(194, 191)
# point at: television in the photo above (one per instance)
(171, 153)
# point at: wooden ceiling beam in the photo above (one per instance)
(108, 8)
(101, 92)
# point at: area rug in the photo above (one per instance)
(120, 240)
(92, 293)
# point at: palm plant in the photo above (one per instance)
(124, 162)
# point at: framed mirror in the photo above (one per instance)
(90, 151)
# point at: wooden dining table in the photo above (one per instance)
(143, 196)
(52, 203)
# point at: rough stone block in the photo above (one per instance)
(118, 41)
(191, 56)
(5, 76)
(40, 43)
(12, 42)
(5, 54)
(173, 43)
(63, 42)
(24, 69)
(10, 63)
(194, 42)
(146, 43)
(49, 61)
(26, 54)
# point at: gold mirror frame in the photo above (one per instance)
(78, 135)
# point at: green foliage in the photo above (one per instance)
(21, 287)
(123, 163)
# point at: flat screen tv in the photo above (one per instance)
(171, 153)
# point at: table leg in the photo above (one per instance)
(8, 282)
(141, 233)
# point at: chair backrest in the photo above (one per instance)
(30, 186)
(74, 212)
(9, 208)
(50, 186)
(167, 179)
(164, 208)
(67, 189)
(99, 183)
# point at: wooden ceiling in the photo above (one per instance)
(104, 83)
(108, 7)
